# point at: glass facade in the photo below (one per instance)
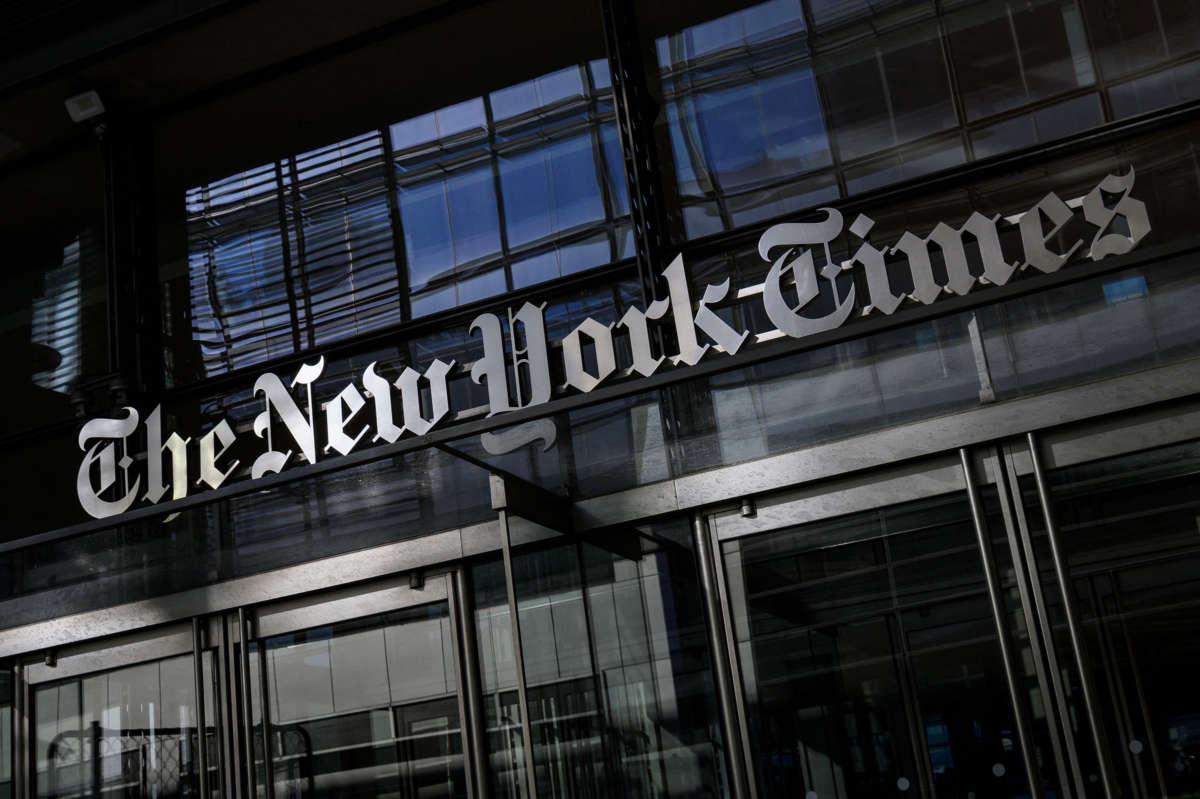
(944, 548)
(361, 708)
(126, 732)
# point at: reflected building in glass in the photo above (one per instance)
(666, 400)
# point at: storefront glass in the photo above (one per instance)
(617, 673)
(362, 708)
(1127, 528)
(870, 660)
(128, 732)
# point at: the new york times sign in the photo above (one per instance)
(110, 481)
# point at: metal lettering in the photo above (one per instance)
(111, 430)
(879, 285)
(381, 395)
(951, 242)
(300, 429)
(803, 271)
(154, 461)
(533, 356)
(687, 321)
(606, 358)
(409, 384)
(634, 320)
(410, 399)
(348, 399)
(1037, 254)
(1100, 215)
(210, 474)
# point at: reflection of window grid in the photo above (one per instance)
(56, 320)
(767, 43)
(313, 248)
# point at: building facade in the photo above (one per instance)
(655, 399)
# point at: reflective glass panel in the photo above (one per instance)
(516, 186)
(1129, 529)
(775, 107)
(6, 734)
(617, 675)
(54, 307)
(363, 708)
(869, 654)
(130, 732)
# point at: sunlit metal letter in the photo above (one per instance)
(338, 411)
(959, 278)
(1100, 215)
(703, 318)
(1034, 239)
(155, 448)
(526, 324)
(301, 429)
(791, 236)
(409, 384)
(410, 399)
(110, 431)
(210, 474)
(606, 359)
(634, 320)
(879, 286)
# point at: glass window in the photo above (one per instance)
(1131, 37)
(617, 674)
(776, 107)
(1008, 55)
(363, 708)
(129, 732)
(54, 307)
(484, 181)
(7, 789)
(869, 654)
(1128, 532)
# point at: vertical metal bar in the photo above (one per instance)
(1062, 575)
(1043, 631)
(268, 735)
(1012, 534)
(22, 751)
(231, 775)
(96, 771)
(719, 641)
(397, 223)
(518, 658)
(243, 665)
(470, 704)
(201, 721)
(992, 579)
(1147, 723)
(285, 253)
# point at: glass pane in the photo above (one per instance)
(1007, 55)
(617, 667)
(870, 658)
(129, 732)
(363, 708)
(1130, 533)
(6, 734)
(54, 307)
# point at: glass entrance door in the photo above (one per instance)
(121, 721)
(869, 657)
(361, 696)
